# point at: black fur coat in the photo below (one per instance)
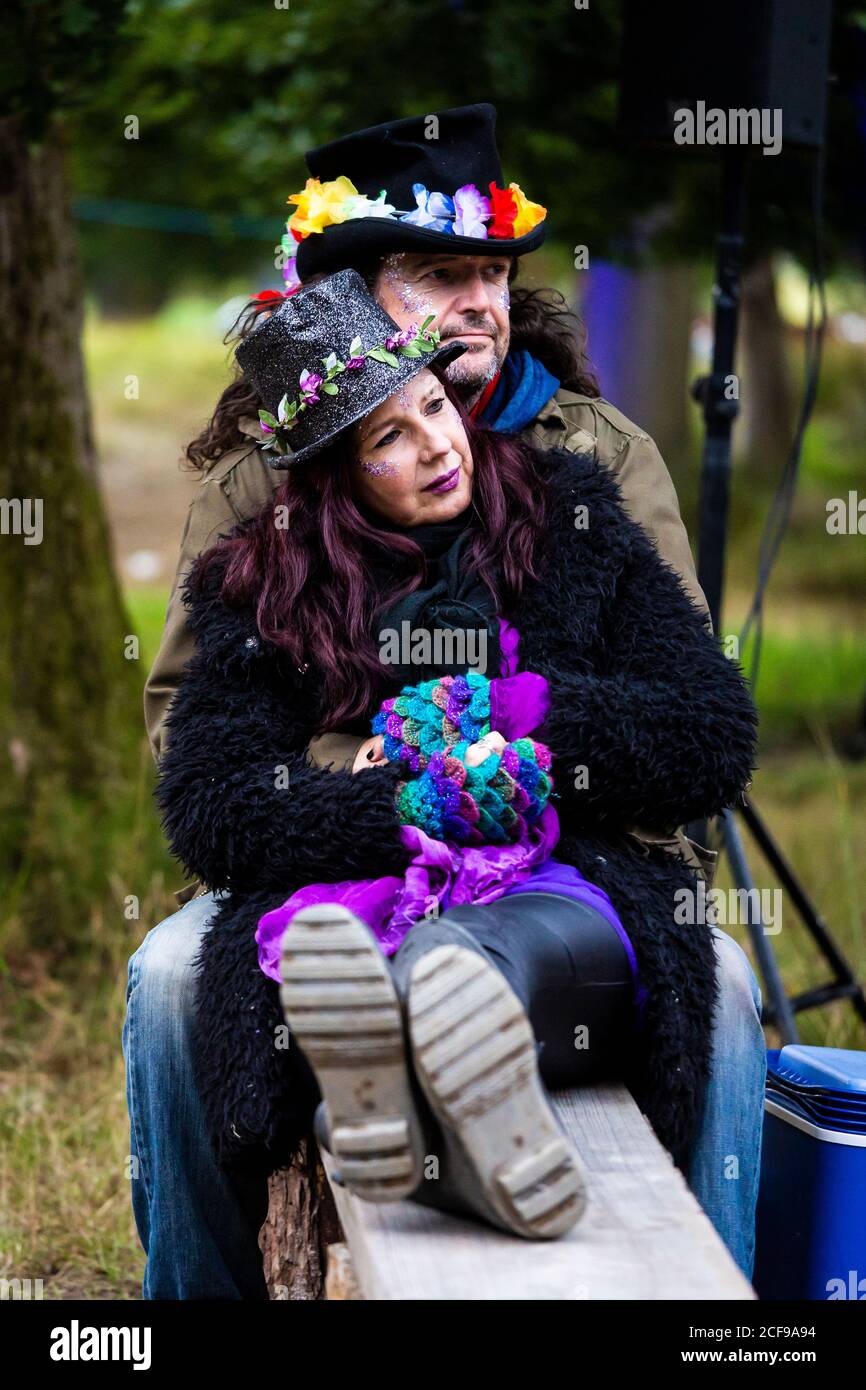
(641, 695)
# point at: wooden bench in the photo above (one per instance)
(642, 1236)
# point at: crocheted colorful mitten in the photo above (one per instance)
(491, 804)
(433, 716)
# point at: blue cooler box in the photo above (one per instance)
(811, 1219)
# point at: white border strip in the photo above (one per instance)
(827, 1136)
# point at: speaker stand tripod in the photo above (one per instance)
(720, 407)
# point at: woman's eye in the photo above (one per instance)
(434, 406)
(387, 439)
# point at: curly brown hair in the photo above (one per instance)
(541, 322)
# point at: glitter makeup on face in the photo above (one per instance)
(505, 298)
(394, 275)
(381, 469)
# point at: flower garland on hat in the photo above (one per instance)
(410, 342)
(507, 213)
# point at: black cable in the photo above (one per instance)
(779, 515)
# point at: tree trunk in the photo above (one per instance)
(302, 1222)
(69, 715)
(763, 437)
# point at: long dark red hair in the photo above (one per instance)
(305, 561)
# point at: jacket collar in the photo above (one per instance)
(251, 428)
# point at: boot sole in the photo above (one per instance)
(474, 1054)
(340, 1002)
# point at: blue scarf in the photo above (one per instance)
(524, 386)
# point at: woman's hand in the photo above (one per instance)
(372, 751)
(490, 743)
(370, 754)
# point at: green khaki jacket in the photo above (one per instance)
(242, 483)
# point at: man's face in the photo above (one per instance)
(468, 295)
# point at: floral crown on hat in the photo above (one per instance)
(411, 342)
(507, 213)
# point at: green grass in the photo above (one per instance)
(64, 1146)
(146, 607)
(806, 680)
(815, 807)
(177, 357)
(64, 1138)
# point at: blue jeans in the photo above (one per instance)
(725, 1165)
(199, 1226)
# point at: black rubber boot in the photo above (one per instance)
(493, 1146)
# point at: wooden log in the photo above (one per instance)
(302, 1223)
(341, 1282)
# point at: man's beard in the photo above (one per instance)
(467, 376)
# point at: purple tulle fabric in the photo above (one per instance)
(443, 875)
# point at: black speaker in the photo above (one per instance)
(732, 55)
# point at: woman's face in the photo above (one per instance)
(413, 463)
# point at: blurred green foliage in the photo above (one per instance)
(52, 53)
(228, 99)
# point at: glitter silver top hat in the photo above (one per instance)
(326, 358)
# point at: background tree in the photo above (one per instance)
(68, 697)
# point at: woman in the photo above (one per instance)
(560, 927)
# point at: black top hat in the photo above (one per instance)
(327, 357)
(443, 151)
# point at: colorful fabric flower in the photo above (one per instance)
(321, 205)
(434, 210)
(360, 206)
(508, 212)
(528, 214)
(471, 212)
(289, 248)
(402, 339)
(291, 278)
(309, 383)
(504, 208)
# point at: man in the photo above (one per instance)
(524, 373)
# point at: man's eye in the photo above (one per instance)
(440, 274)
(496, 271)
